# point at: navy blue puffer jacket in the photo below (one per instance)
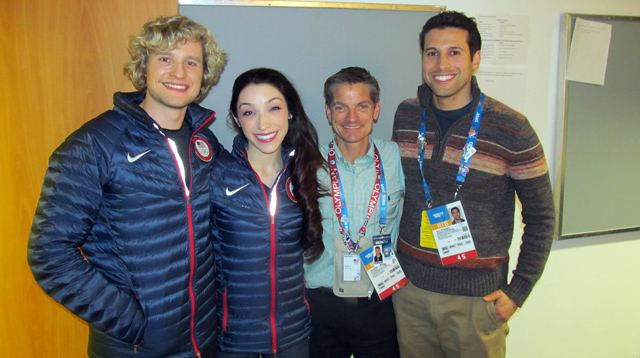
(262, 306)
(118, 240)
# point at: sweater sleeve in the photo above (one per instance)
(530, 175)
(69, 203)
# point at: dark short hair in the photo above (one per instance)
(457, 20)
(351, 75)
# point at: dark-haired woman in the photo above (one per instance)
(266, 220)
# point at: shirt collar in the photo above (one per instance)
(366, 159)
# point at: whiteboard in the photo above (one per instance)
(310, 41)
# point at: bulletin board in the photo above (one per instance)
(599, 171)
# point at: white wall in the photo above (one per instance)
(587, 303)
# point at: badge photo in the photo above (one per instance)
(202, 148)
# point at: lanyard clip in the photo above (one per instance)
(458, 187)
(421, 142)
(351, 246)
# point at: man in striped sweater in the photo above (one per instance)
(462, 149)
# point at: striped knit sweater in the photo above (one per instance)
(509, 161)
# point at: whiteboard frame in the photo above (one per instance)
(315, 4)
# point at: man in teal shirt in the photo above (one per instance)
(347, 315)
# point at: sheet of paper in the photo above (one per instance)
(504, 58)
(589, 52)
(505, 39)
(507, 84)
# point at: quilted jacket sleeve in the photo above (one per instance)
(69, 203)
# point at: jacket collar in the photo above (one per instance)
(366, 158)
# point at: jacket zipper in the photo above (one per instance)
(272, 254)
(225, 310)
(191, 251)
(192, 270)
(442, 137)
(272, 265)
(192, 259)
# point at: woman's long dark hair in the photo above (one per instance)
(303, 137)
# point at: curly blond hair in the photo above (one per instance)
(165, 34)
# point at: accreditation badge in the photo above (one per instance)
(382, 266)
(451, 233)
(351, 270)
(426, 233)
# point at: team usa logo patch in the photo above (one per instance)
(288, 185)
(203, 149)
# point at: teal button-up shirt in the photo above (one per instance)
(357, 180)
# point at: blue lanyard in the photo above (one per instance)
(467, 153)
(378, 196)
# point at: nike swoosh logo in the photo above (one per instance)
(233, 192)
(135, 158)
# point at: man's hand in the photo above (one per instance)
(504, 306)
